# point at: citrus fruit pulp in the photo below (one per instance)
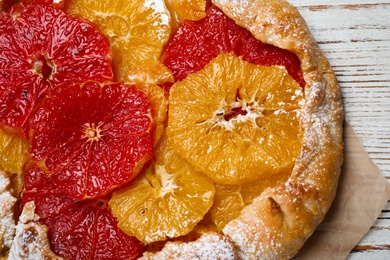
(236, 121)
(37, 54)
(195, 43)
(159, 106)
(186, 10)
(13, 152)
(91, 137)
(55, 3)
(6, 4)
(229, 200)
(137, 30)
(166, 202)
(77, 230)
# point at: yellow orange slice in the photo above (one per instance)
(186, 10)
(13, 152)
(137, 30)
(229, 200)
(167, 202)
(159, 105)
(235, 121)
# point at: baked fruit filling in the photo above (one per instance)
(134, 123)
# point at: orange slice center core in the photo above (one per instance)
(42, 65)
(238, 111)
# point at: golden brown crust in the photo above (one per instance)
(31, 240)
(208, 246)
(7, 209)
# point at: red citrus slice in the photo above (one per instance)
(56, 3)
(37, 54)
(196, 43)
(77, 230)
(6, 4)
(92, 138)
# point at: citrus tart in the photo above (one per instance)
(164, 130)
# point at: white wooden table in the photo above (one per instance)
(355, 36)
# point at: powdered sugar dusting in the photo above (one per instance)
(7, 207)
(208, 246)
(31, 240)
(240, 5)
(256, 245)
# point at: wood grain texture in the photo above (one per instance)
(355, 36)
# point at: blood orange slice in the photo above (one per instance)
(92, 138)
(6, 4)
(195, 43)
(77, 230)
(236, 121)
(37, 54)
(55, 3)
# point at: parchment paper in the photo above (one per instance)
(362, 194)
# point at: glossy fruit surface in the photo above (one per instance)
(77, 230)
(181, 10)
(137, 30)
(37, 54)
(159, 106)
(167, 202)
(195, 43)
(55, 3)
(6, 4)
(13, 152)
(236, 121)
(229, 200)
(92, 138)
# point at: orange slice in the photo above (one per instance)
(235, 121)
(159, 105)
(186, 10)
(13, 152)
(137, 30)
(167, 202)
(229, 200)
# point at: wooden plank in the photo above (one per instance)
(378, 237)
(370, 255)
(355, 37)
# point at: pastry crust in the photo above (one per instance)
(279, 221)
(208, 246)
(31, 240)
(7, 209)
